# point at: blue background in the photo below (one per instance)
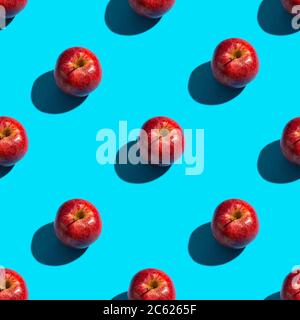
(154, 224)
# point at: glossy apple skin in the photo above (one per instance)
(151, 8)
(235, 224)
(13, 141)
(151, 284)
(78, 224)
(161, 141)
(291, 286)
(290, 141)
(235, 63)
(78, 72)
(289, 4)
(13, 7)
(17, 289)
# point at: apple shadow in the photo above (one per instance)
(205, 250)
(137, 173)
(8, 21)
(274, 296)
(48, 250)
(121, 297)
(5, 171)
(274, 167)
(48, 98)
(121, 19)
(274, 19)
(205, 89)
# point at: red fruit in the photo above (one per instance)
(235, 63)
(13, 141)
(151, 8)
(161, 141)
(235, 224)
(290, 141)
(78, 223)
(12, 286)
(13, 7)
(78, 72)
(291, 286)
(289, 4)
(151, 284)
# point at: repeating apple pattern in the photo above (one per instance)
(78, 223)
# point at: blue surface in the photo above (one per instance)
(151, 224)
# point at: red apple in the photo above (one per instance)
(235, 63)
(151, 284)
(13, 7)
(161, 141)
(291, 286)
(13, 141)
(235, 224)
(12, 286)
(78, 72)
(290, 141)
(78, 223)
(151, 8)
(289, 4)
